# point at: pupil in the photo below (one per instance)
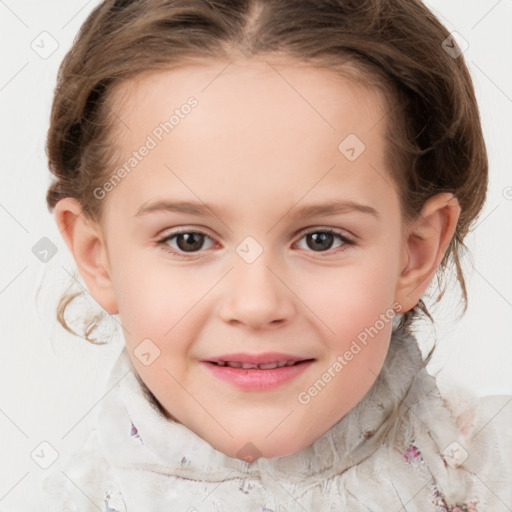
(193, 241)
(320, 240)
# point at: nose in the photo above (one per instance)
(256, 296)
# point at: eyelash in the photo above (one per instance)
(162, 242)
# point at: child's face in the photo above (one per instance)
(260, 145)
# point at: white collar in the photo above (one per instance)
(168, 447)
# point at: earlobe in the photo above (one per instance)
(85, 241)
(426, 243)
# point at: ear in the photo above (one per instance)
(86, 242)
(426, 242)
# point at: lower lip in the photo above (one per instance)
(255, 379)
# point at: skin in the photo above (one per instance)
(257, 147)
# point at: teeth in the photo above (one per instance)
(246, 366)
(250, 366)
(268, 366)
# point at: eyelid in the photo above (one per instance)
(336, 231)
(181, 230)
(302, 232)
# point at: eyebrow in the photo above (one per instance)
(322, 209)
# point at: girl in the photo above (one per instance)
(262, 191)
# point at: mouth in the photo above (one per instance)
(263, 361)
(260, 366)
(257, 372)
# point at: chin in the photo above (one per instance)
(252, 448)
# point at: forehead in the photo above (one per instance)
(257, 125)
(286, 88)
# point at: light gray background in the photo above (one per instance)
(52, 381)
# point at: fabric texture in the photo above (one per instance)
(402, 447)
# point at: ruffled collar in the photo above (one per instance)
(135, 434)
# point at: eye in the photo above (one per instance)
(321, 240)
(183, 242)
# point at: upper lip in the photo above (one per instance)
(264, 358)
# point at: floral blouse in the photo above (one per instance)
(403, 447)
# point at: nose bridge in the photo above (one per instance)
(254, 294)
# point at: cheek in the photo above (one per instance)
(349, 298)
(150, 299)
(159, 301)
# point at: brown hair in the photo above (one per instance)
(434, 132)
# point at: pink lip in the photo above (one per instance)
(254, 379)
(265, 358)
